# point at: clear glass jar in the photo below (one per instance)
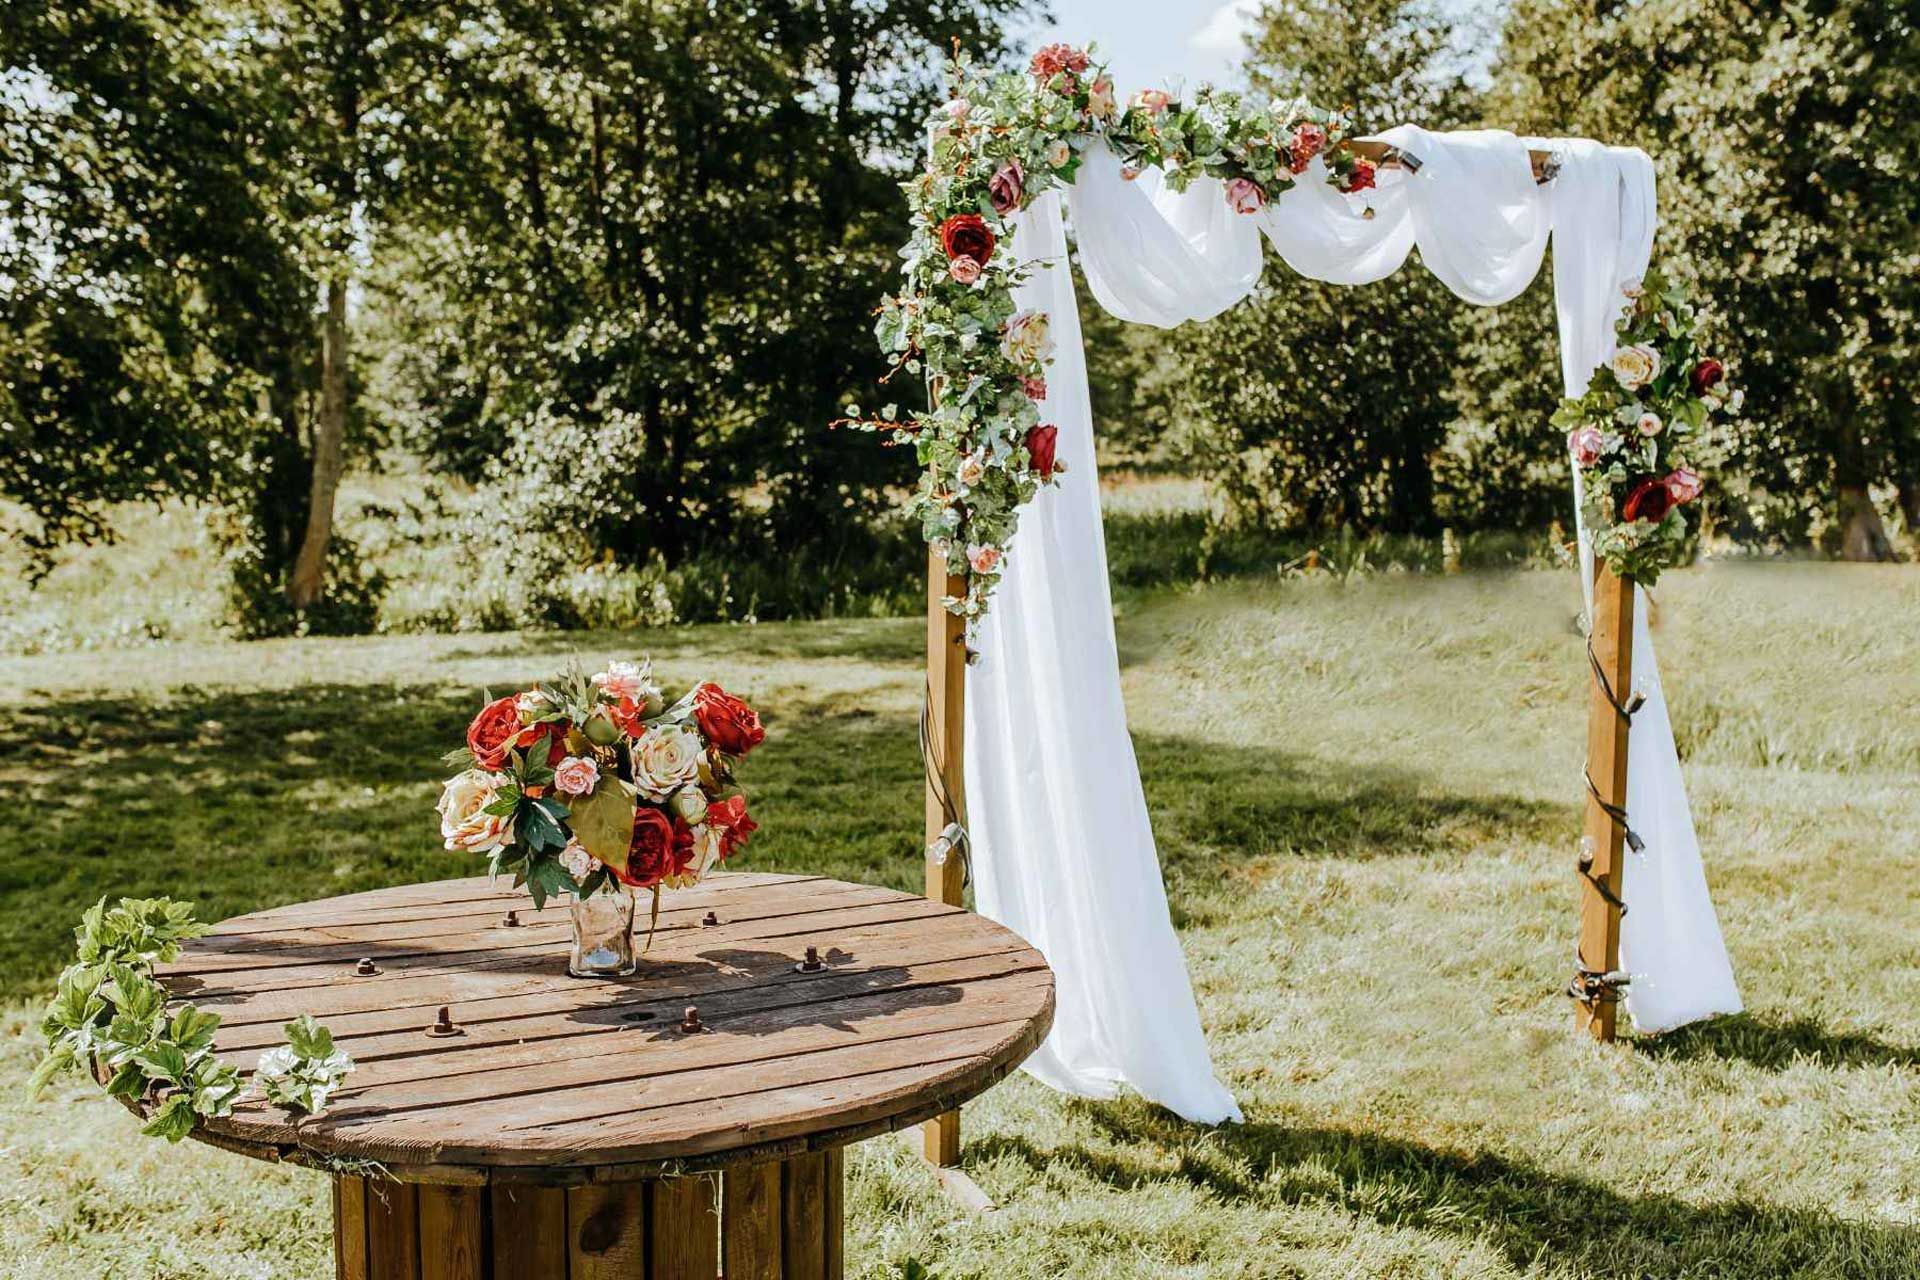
(603, 935)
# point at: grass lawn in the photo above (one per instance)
(1365, 794)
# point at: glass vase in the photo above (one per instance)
(603, 936)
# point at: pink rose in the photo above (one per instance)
(1584, 444)
(1684, 485)
(1008, 187)
(1153, 101)
(1036, 388)
(984, 559)
(1309, 140)
(964, 269)
(1056, 58)
(1649, 424)
(576, 776)
(1245, 196)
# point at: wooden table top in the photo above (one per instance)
(555, 1079)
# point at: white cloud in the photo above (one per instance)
(1225, 32)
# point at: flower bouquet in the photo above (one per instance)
(1637, 436)
(596, 786)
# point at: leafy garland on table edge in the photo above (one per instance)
(109, 1018)
(999, 143)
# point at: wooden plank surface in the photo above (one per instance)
(350, 1228)
(452, 1233)
(913, 1004)
(803, 1216)
(750, 1233)
(683, 1229)
(393, 1230)
(606, 1232)
(528, 1231)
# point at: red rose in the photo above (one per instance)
(1361, 179)
(729, 816)
(662, 847)
(1707, 375)
(555, 731)
(729, 724)
(1649, 500)
(965, 235)
(493, 731)
(1040, 446)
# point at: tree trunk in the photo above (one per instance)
(308, 580)
(1862, 535)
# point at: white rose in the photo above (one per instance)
(691, 806)
(464, 822)
(1058, 153)
(1649, 424)
(1028, 338)
(709, 842)
(973, 468)
(664, 760)
(1635, 366)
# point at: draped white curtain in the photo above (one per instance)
(1063, 848)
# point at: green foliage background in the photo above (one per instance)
(611, 269)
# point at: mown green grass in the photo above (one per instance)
(1365, 793)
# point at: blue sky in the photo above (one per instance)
(1149, 42)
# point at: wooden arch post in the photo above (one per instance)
(1596, 985)
(945, 743)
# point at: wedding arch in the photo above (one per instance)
(1031, 776)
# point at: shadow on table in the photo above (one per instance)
(1528, 1213)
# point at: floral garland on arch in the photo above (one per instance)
(998, 144)
(1638, 434)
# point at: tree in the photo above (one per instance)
(1330, 403)
(147, 292)
(642, 244)
(1779, 132)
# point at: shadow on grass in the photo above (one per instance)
(1586, 1227)
(1774, 1044)
(241, 800)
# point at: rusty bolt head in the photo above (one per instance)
(690, 1021)
(512, 921)
(443, 1025)
(366, 968)
(812, 964)
(710, 919)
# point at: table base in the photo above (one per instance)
(779, 1220)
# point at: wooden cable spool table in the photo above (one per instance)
(589, 1128)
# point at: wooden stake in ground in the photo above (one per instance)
(945, 737)
(1602, 847)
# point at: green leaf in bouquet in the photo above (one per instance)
(504, 803)
(545, 878)
(540, 829)
(460, 758)
(192, 1028)
(603, 820)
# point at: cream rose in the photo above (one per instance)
(984, 559)
(663, 760)
(973, 468)
(578, 862)
(1058, 153)
(1028, 337)
(1649, 424)
(464, 822)
(1635, 366)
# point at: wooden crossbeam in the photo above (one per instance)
(1546, 164)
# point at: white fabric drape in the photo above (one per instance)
(1063, 848)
